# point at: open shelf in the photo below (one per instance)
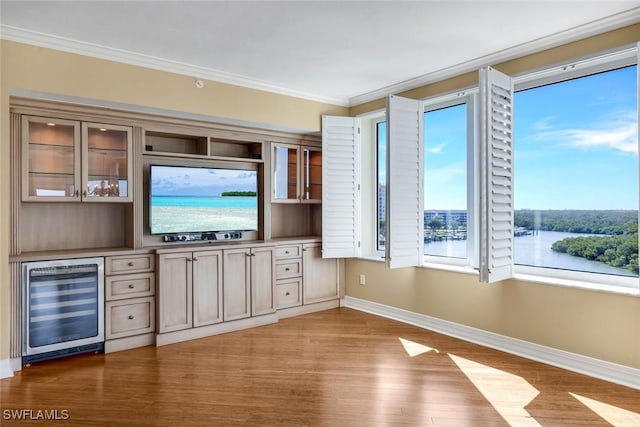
(187, 146)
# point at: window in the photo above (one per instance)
(381, 182)
(448, 132)
(445, 181)
(576, 174)
(543, 181)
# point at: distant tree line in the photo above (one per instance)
(617, 246)
(617, 251)
(239, 193)
(618, 222)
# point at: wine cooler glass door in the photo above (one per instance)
(63, 304)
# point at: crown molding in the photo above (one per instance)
(610, 23)
(118, 55)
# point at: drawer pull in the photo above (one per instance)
(286, 252)
(130, 263)
(131, 286)
(287, 269)
(130, 317)
(288, 293)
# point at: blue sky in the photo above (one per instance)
(194, 181)
(576, 144)
(575, 147)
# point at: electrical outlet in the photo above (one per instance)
(362, 279)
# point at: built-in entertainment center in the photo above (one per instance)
(204, 227)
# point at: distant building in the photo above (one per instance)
(382, 201)
(459, 218)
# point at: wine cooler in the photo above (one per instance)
(63, 308)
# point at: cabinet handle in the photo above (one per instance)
(77, 193)
(288, 293)
(195, 259)
(189, 260)
(131, 317)
(287, 269)
(130, 264)
(131, 286)
(304, 250)
(286, 252)
(84, 193)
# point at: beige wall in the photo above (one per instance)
(596, 324)
(44, 70)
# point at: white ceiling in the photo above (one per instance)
(343, 52)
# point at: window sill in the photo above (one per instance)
(577, 284)
(465, 269)
(372, 258)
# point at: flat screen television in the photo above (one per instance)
(185, 199)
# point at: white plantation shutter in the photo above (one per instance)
(405, 210)
(496, 181)
(340, 187)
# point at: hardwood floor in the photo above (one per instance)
(339, 367)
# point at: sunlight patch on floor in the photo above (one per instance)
(415, 349)
(612, 414)
(509, 394)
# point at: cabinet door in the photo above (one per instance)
(319, 275)
(236, 284)
(263, 263)
(175, 292)
(285, 175)
(50, 159)
(106, 163)
(207, 287)
(311, 175)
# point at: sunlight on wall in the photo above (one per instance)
(612, 414)
(414, 349)
(509, 394)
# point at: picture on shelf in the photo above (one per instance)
(197, 199)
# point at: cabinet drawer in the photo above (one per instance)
(289, 251)
(129, 317)
(129, 264)
(288, 293)
(289, 268)
(129, 286)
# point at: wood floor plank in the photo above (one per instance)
(339, 367)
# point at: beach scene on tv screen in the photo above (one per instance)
(188, 199)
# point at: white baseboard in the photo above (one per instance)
(5, 368)
(597, 368)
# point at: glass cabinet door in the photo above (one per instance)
(312, 174)
(106, 162)
(50, 159)
(285, 173)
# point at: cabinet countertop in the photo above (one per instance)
(195, 246)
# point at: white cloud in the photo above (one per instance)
(437, 149)
(543, 124)
(620, 133)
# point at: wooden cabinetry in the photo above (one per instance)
(288, 276)
(201, 145)
(129, 301)
(190, 292)
(249, 280)
(320, 275)
(296, 174)
(66, 160)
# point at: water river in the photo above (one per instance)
(534, 250)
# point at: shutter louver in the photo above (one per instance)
(340, 187)
(405, 171)
(496, 186)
